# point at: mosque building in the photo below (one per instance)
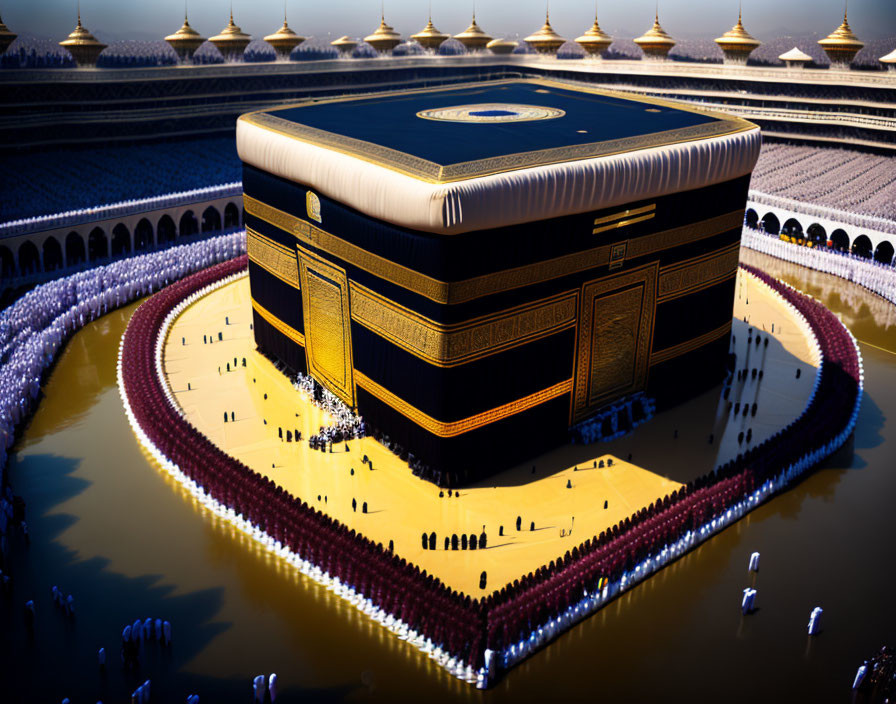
(284, 40)
(6, 37)
(595, 41)
(475, 39)
(545, 40)
(384, 38)
(82, 45)
(841, 45)
(429, 37)
(232, 41)
(185, 41)
(655, 42)
(737, 44)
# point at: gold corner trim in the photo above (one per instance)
(487, 284)
(432, 172)
(461, 343)
(452, 429)
(278, 324)
(689, 345)
(273, 257)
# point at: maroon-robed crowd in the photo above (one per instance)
(460, 625)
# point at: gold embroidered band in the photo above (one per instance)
(487, 284)
(451, 345)
(454, 428)
(695, 274)
(273, 257)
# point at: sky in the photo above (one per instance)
(153, 19)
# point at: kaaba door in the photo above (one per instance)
(328, 335)
(614, 335)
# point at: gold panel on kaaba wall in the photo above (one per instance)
(615, 330)
(328, 337)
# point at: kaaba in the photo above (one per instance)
(478, 269)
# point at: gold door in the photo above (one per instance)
(614, 336)
(328, 334)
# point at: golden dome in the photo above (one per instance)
(595, 41)
(736, 43)
(345, 44)
(501, 46)
(385, 38)
(841, 45)
(284, 40)
(82, 45)
(6, 37)
(545, 40)
(473, 38)
(655, 42)
(429, 37)
(185, 41)
(232, 41)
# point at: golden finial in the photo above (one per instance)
(842, 44)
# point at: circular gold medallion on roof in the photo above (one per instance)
(486, 113)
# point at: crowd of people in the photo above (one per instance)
(54, 182)
(346, 424)
(391, 588)
(35, 327)
(876, 277)
(858, 185)
(468, 634)
(614, 422)
(132, 53)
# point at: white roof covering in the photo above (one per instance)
(794, 55)
(508, 197)
(889, 58)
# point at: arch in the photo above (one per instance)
(7, 263)
(839, 240)
(816, 234)
(75, 252)
(29, 258)
(188, 225)
(211, 220)
(165, 230)
(771, 224)
(121, 240)
(231, 216)
(97, 245)
(53, 258)
(792, 227)
(862, 247)
(143, 235)
(884, 253)
(751, 219)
